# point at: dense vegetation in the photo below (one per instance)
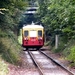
(10, 15)
(58, 17)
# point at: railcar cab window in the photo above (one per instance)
(33, 33)
(25, 33)
(40, 33)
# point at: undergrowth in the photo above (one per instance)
(67, 49)
(71, 56)
(3, 67)
(9, 50)
(20, 37)
(47, 43)
(69, 52)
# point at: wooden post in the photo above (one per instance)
(56, 41)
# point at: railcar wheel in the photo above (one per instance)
(26, 48)
(37, 48)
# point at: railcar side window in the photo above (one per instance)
(25, 33)
(39, 33)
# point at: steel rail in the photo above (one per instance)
(67, 70)
(35, 62)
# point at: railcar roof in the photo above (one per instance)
(33, 26)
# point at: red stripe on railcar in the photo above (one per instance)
(33, 41)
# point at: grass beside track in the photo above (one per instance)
(9, 51)
(3, 67)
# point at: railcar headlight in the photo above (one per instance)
(40, 38)
(26, 38)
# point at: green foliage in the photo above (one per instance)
(47, 43)
(57, 15)
(2, 34)
(20, 37)
(60, 48)
(3, 67)
(10, 49)
(67, 49)
(54, 15)
(11, 16)
(71, 56)
(60, 15)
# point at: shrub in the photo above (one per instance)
(3, 67)
(10, 49)
(71, 56)
(47, 43)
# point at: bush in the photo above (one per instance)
(47, 43)
(10, 49)
(71, 56)
(3, 67)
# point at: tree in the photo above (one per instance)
(10, 18)
(58, 14)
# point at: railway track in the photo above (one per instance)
(46, 65)
(67, 70)
(35, 62)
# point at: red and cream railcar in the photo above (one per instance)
(33, 36)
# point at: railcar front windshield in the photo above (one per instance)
(39, 33)
(25, 33)
(33, 33)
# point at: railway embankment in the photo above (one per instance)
(9, 51)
